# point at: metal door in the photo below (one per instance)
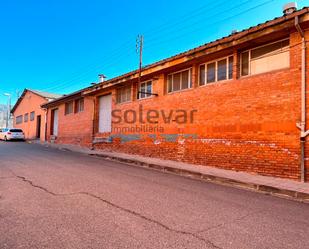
(105, 113)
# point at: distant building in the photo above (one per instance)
(28, 114)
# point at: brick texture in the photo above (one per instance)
(245, 124)
(74, 128)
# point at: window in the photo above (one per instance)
(16, 130)
(179, 81)
(19, 119)
(32, 115)
(124, 94)
(26, 117)
(145, 90)
(68, 107)
(216, 71)
(230, 67)
(266, 58)
(79, 105)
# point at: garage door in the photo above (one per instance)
(55, 122)
(105, 113)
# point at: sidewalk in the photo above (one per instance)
(270, 185)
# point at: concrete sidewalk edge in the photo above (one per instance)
(213, 178)
(230, 181)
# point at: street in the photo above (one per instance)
(51, 198)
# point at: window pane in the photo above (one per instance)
(170, 83)
(70, 107)
(270, 49)
(231, 67)
(245, 63)
(124, 94)
(149, 88)
(128, 94)
(185, 79)
(81, 105)
(143, 90)
(32, 116)
(202, 75)
(19, 119)
(211, 72)
(118, 96)
(271, 57)
(176, 82)
(221, 73)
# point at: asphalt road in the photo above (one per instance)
(60, 199)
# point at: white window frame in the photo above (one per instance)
(189, 82)
(139, 90)
(117, 92)
(77, 105)
(249, 50)
(65, 107)
(216, 70)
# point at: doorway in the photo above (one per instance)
(54, 122)
(38, 126)
(105, 113)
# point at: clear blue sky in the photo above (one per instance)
(62, 45)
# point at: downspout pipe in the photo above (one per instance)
(302, 124)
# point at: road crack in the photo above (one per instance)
(151, 220)
(36, 186)
(134, 213)
(231, 222)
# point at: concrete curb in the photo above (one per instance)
(253, 186)
(280, 192)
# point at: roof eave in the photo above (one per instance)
(209, 48)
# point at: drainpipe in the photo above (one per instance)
(302, 124)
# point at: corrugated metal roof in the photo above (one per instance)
(46, 94)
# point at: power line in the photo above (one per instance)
(187, 16)
(154, 42)
(118, 55)
(177, 31)
(68, 83)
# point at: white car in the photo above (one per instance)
(11, 134)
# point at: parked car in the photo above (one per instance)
(11, 134)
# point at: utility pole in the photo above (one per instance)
(139, 49)
(8, 109)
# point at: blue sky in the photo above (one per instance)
(62, 45)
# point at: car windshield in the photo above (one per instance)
(16, 130)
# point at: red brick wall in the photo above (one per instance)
(246, 124)
(31, 102)
(74, 128)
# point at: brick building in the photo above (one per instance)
(28, 114)
(236, 103)
(70, 119)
